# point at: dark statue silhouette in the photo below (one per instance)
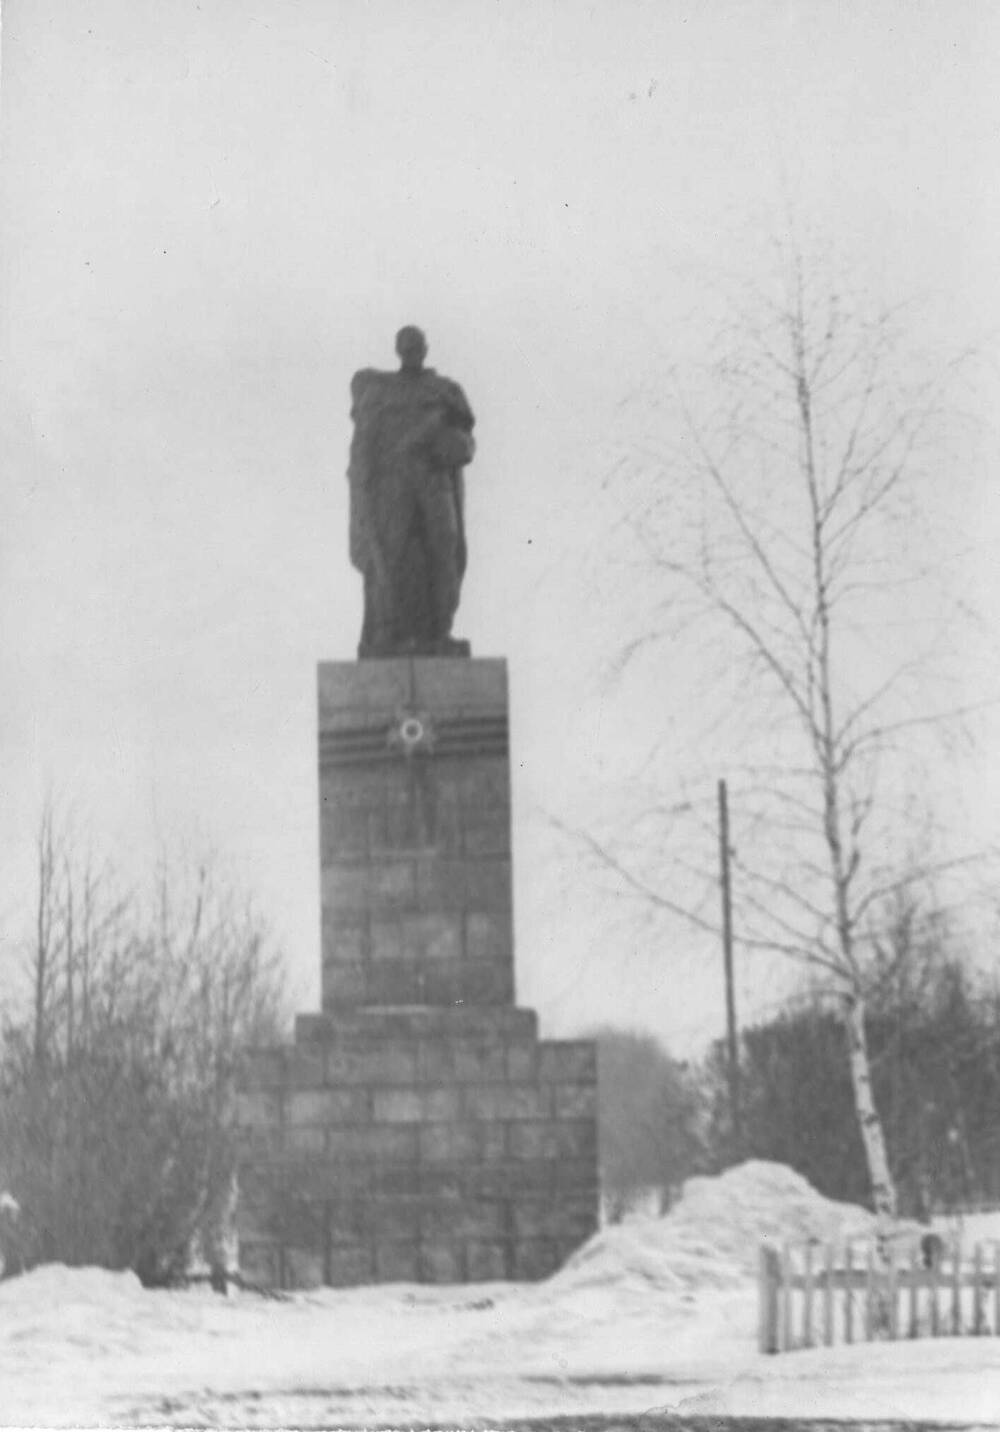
(412, 440)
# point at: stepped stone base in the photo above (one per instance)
(417, 1129)
(417, 1144)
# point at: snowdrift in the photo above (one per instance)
(710, 1238)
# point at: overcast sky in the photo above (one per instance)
(213, 213)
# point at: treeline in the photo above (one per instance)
(120, 1043)
(935, 1050)
(934, 1034)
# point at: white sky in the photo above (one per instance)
(212, 213)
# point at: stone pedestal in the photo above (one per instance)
(417, 1129)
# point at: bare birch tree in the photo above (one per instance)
(781, 499)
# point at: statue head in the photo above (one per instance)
(411, 345)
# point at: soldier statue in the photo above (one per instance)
(412, 440)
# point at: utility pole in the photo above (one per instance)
(727, 954)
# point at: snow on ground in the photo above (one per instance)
(657, 1313)
(711, 1238)
(970, 1228)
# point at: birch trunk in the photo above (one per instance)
(883, 1189)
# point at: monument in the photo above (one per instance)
(417, 1128)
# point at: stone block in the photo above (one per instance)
(488, 885)
(386, 939)
(306, 1068)
(394, 982)
(260, 1182)
(464, 1219)
(436, 1060)
(534, 1218)
(522, 1061)
(572, 1218)
(404, 1180)
(577, 1174)
(535, 1258)
(488, 1180)
(349, 691)
(391, 885)
(344, 939)
(511, 1179)
(345, 887)
(486, 808)
(305, 1142)
(343, 824)
(344, 1062)
(574, 1101)
(326, 1106)
(442, 684)
(487, 837)
(461, 1060)
(552, 1139)
(580, 1220)
(258, 1108)
(445, 816)
(436, 936)
(440, 884)
(506, 1101)
(344, 986)
(480, 1059)
(397, 1106)
(428, 1023)
(450, 1143)
(390, 1064)
(379, 842)
(579, 1139)
(443, 982)
(380, 1143)
(315, 1028)
(488, 936)
(349, 1221)
(492, 1141)
(397, 1220)
(486, 782)
(488, 984)
(443, 1180)
(424, 1105)
(397, 1262)
(262, 1069)
(411, 810)
(260, 1225)
(568, 1061)
(441, 1261)
(301, 1221)
(347, 1267)
(328, 1180)
(486, 1262)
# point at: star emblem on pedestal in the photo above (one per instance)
(412, 732)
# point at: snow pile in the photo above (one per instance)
(710, 1238)
(93, 1310)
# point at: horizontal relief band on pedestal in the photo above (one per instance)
(467, 736)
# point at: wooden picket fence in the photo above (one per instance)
(815, 1295)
